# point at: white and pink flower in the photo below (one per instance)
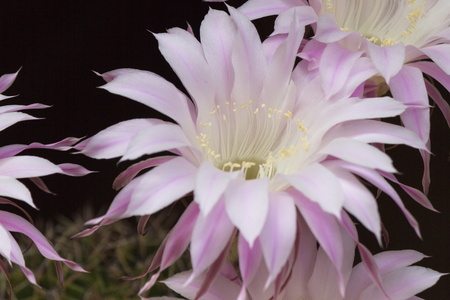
(257, 143)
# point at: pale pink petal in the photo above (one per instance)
(255, 9)
(312, 52)
(222, 288)
(249, 258)
(440, 54)
(326, 230)
(370, 131)
(210, 236)
(27, 166)
(387, 60)
(156, 92)
(359, 201)
(328, 31)
(162, 186)
(15, 223)
(114, 140)
(210, 184)
(154, 139)
(247, 204)
(278, 74)
(8, 119)
(434, 94)
(335, 66)
(10, 187)
(278, 234)
(7, 80)
(434, 71)
(249, 62)
(73, 170)
(319, 185)
(217, 34)
(359, 153)
(179, 237)
(14, 108)
(304, 15)
(109, 76)
(408, 86)
(377, 180)
(403, 283)
(5, 245)
(132, 171)
(185, 55)
(303, 267)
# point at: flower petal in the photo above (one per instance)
(114, 140)
(27, 166)
(440, 54)
(255, 9)
(319, 185)
(10, 187)
(157, 138)
(247, 205)
(387, 60)
(161, 186)
(278, 234)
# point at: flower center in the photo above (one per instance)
(384, 23)
(256, 139)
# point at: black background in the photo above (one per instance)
(59, 43)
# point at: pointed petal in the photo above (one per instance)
(255, 9)
(114, 140)
(8, 119)
(161, 186)
(210, 236)
(359, 153)
(217, 33)
(5, 245)
(321, 186)
(27, 166)
(15, 223)
(154, 139)
(10, 187)
(7, 80)
(387, 60)
(210, 184)
(408, 86)
(335, 66)
(278, 234)
(249, 258)
(156, 92)
(247, 204)
(440, 54)
(185, 55)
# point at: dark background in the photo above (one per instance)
(58, 43)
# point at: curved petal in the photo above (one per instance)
(157, 138)
(387, 60)
(248, 59)
(359, 153)
(185, 55)
(210, 236)
(408, 86)
(278, 234)
(319, 185)
(10, 187)
(249, 259)
(210, 184)
(15, 223)
(156, 92)
(114, 140)
(5, 246)
(8, 119)
(255, 9)
(161, 186)
(440, 54)
(334, 67)
(247, 205)
(27, 166)
(217, 33)
(7, 80)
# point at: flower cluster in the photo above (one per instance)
(14, 167)
(276, 141)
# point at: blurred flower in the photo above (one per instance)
(13, 168)
(397, 35)
(259, 144)
(311, 275)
